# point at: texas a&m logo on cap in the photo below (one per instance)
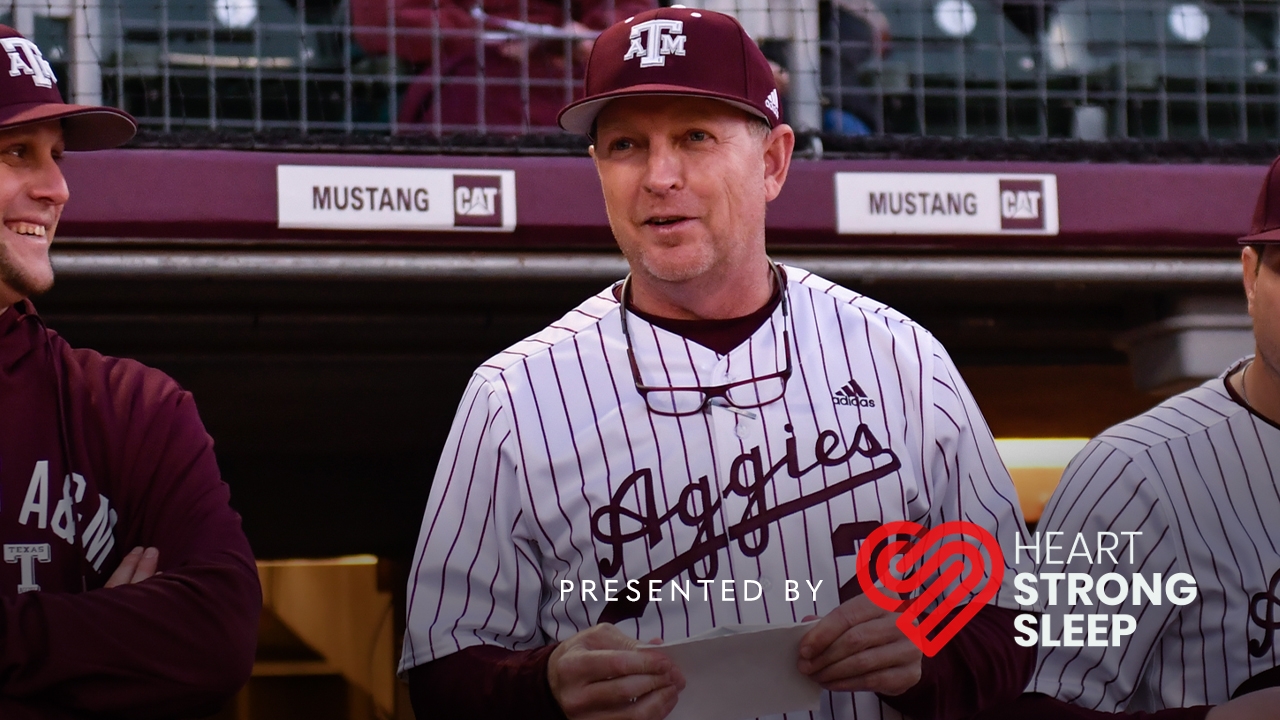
(653, 40)
(1022, 205)
(650, 53)
(477, 200)
(26, 59)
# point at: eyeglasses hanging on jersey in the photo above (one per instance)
(690, 400)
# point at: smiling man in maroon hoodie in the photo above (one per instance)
(128, 588)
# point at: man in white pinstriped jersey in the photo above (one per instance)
(715, 418)
(1199, 477)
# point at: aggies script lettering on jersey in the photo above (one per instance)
(555, 470)
(1197, 475)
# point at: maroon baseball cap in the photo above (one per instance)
(676, 51)
(1266, 214)
(29, 94)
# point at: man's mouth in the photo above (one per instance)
(665, 220)
(28, 229)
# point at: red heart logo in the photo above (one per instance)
(896, 563)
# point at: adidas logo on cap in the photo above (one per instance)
(771, 102)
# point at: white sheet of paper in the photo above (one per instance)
(736, 672)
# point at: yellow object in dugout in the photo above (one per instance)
(1036, 465)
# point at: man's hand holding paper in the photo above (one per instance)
(600, 672)
(858, 646)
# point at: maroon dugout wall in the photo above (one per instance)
(177, 195)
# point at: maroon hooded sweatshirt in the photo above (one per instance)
(97, 456)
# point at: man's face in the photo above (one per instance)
(1262, 288)
(685, 183)
(32, 195)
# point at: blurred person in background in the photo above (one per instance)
(854, 33)
(851, 34)
(502, 46)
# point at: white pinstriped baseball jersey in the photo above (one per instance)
(1198, 475)
(555, 470)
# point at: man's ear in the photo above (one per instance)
(778, 145)
(1249, 260)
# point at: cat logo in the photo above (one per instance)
(653, 40)
(477, 201)
(1021, 205)
(25, 59)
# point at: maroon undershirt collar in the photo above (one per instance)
(721, 336)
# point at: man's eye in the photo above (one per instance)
(15, 151)
(620, 145)
(698, 135)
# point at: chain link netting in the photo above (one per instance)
(489, 75)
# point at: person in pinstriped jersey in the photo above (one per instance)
(716, 417)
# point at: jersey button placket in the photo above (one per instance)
(726, 445)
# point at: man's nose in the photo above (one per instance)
(665, 170)
(49, 185)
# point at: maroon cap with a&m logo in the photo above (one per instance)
(676, 51)
(29, 94)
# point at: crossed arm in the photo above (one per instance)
(138, 565)
(147, 643)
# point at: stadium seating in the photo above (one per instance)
(1157, 69)
(218, 59)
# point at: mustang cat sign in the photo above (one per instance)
(946, 204)
(324, 197)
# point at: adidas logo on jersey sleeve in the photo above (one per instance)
(852, 394)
